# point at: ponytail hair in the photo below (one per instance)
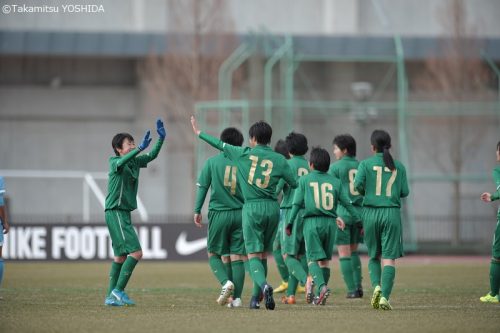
(381, 141)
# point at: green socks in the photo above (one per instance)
(125, 273)
(347, 273)
(280, 264)
(238, 272)
(218, 268)
(494, 277)
(257, 273)
(317, 274)
(305, 266)
(113, 276)
(295, 269)
(356, 269)
(326, 274)
(292, 285)
(375, 271)
(388, 276)
(229, 270)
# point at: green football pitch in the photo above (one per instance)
(430, 295)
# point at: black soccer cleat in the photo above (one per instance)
(254, 303)
(268, 297)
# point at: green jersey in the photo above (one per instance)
(123, 178)
(259, 168)
(300, 167)
(219, 174)
(345, 170)
(496, 194)
(319, 193)
(380, 186)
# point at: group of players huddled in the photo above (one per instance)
(322, 205)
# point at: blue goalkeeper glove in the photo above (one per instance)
(162, 131)
(145, 141)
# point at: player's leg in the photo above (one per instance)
(133, 248)
(238, 257)
(253, 224)
(373, 244)
(291, 247)
(356, 239)
(271, 220)
(119, 250)
(218, 236)
(343, 240)
(493, 296)
(278, 256)
(313, 231)
(392, 249)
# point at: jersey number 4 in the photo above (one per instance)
(230, 178)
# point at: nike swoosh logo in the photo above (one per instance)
(186, 248)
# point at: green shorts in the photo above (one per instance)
(383, 232)
(260, 222)
(123, 236)
(319, 237)
(496, 241)
(280, 230)
(294, 244)
(352, 232)
(225, 233)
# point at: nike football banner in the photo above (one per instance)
(173, 241)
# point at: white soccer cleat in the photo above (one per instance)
(235, 303)
(225, 292)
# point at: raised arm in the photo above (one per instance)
(231, 152)
(143, 160)
(214, 142)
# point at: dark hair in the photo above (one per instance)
(346, 141)
(296, 143)
(261, 131)
(282, 148)
(498, 146)
(232, 136)
(381, 141)
(118, 139)
(320, 159)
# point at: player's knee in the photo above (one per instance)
(495, 259)
(120, 259)
(137, 255)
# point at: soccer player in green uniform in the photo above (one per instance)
(225, 234)
(123, 182)
(347, 240)
(493, 295)
(261, 169)
(319, 193)
(293, 247)
(382, 181)
(280, 147)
